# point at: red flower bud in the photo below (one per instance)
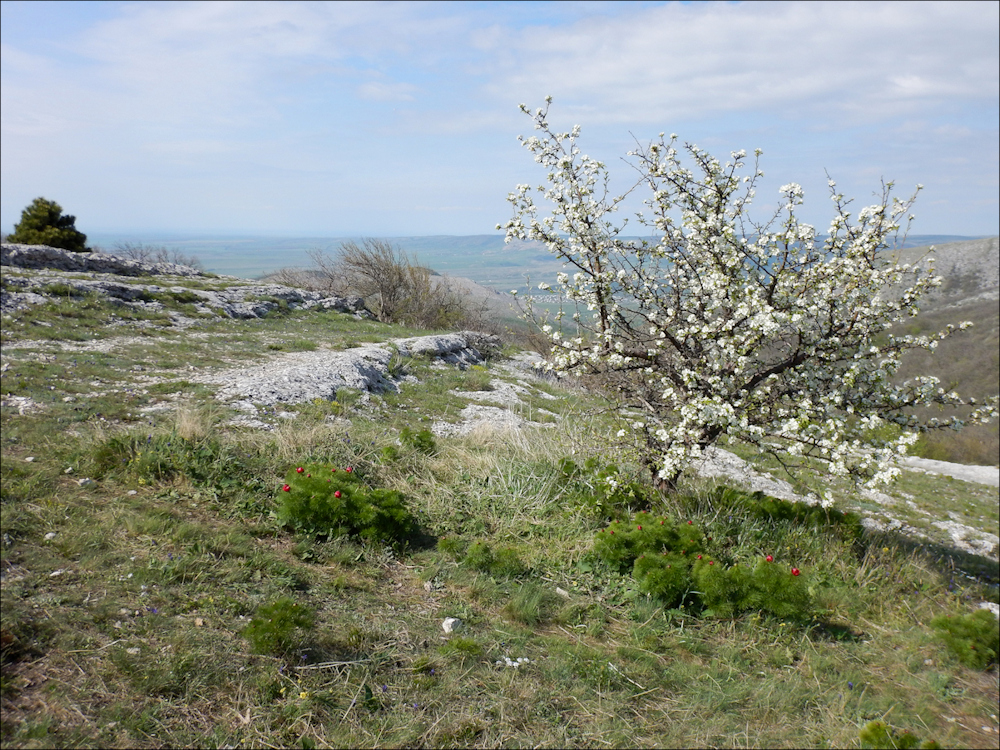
(349, 469)
(336, 494)
(299, 470)
(699, 557)
(308, 476)
(639, 527)
(795, 571)
(286, 488)
(690, 523)
(769, 558)
(711, 562)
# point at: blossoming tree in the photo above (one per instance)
(720, 325)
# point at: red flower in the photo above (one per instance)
(286, 488)
(690, 523)
(349, 469)
(611, 531)
(795, 571)
(639, 527)
(308, 476)
(769, 558)
(711, 562)
(299, 470)
(336, 494)
(333, 471)
(699, 557)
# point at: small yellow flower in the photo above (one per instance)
(304, 694)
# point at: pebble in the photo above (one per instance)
(451, 624)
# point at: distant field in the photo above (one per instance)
(484, 258)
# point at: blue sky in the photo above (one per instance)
(394, 119)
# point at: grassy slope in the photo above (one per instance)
(124, 601)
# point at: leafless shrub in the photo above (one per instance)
(295, 277)
(155, 254)
(394, 286)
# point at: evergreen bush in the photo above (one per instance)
(878, 735)
(277, 628)
(326, 501)
(43, 223)
(671, 561)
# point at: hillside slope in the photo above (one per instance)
(160, 588)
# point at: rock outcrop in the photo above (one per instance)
(236, 298)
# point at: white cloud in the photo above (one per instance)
(854, 61)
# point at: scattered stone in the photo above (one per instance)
(451, 624)
(87, 482)
(562, 592)
(23, 404)
(50, 536)
(68, 470)
(515, 663)
(29, 459)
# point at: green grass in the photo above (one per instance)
(126, 602)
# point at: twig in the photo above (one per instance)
(87, 650)
(330, 664)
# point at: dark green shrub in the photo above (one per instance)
(666, 577)
(479, 556)
(671, 561)
(277, 628)
(974, 638)
(880, 736)
(621, 544)
(504, 563)
(325, 501)
(43, 223)
(757, 505)
(767, 587)
(422, 441)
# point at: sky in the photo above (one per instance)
(401, 119)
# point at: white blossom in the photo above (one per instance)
(776, 337)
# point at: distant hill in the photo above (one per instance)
(968, 361)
